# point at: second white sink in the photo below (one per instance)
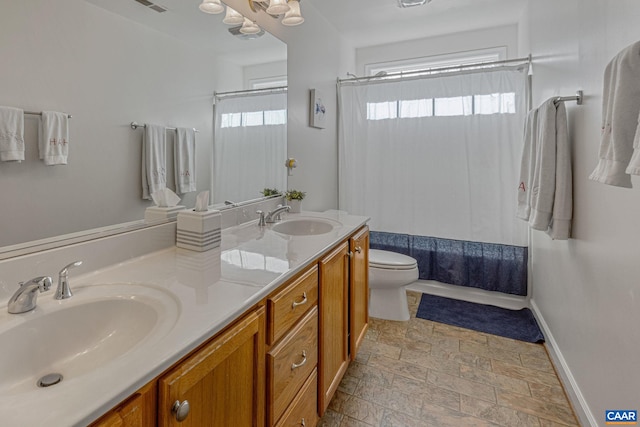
(304, 226)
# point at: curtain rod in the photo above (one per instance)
(136, 125)
(39, 113)
(524, 60)
(250, 91)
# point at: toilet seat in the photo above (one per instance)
(386, 260)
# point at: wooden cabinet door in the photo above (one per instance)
(333, 325)
(223, 381)
(138, 410)
(358, 290)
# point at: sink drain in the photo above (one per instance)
(49, 380)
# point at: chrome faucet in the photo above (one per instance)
(274, 216)
(64, 291)
(25, 297)
(261, 222)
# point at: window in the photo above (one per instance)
(253, 118)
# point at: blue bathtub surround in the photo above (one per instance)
(516, 324)
(488, 266)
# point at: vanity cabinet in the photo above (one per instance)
(358, 290)
(292, 359)
(222, 383)
(138, 410)
(333, 344)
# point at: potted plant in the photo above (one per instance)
(268, 192)
(294, 199)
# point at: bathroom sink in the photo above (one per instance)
(74, 337)
(304, 226)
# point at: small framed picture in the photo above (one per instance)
(317, 110)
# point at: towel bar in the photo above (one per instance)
(136, 125)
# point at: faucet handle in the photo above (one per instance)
(66, 269)
(261, 222)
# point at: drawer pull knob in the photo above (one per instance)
(302, 423)
(304, 301)
(358, 249)
(304, 360)
(180, 410)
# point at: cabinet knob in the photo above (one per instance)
(302, 423)
(304, 301)
(304, 360)
(358, 249)
(180, 410)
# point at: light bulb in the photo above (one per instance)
(293, 16)
(278, 7)
(249, 27)
(211, 6)
(233, 17)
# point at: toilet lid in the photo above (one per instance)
(391, 260)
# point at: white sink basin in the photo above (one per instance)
(304, 226)
(82, 334)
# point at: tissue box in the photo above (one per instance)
(199, 231)
(155, 213)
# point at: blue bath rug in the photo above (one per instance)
(515, 324)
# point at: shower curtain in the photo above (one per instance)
(250, 145)
(435, 155)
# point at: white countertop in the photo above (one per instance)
(210, 290)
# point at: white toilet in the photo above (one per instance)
(389, 274)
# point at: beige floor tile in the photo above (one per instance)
(380, 348)
(493, 379)
(372, 374)
(403, 342)
(348, 384)
(330, 419)
(538, 363)
(447, 343)
(554, 394)
(468, 359)
(397, 419)
(500, 415)
(408, 404)
(398, 367)
(442, 329)
(428, 392)
(490, 352)
(426, 360)
(350, 422)
(549, 423)
(362, 410)
(517, 346)
(462, 386)
(542, 409)
(526, 374)
(433, 415)
(337, 403)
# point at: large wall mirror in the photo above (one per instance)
(109, 63)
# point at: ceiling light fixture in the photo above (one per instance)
(211, 6)
(233, 17)
(411, 3)
(276, 8)
(249, 27)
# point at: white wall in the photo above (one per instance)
(588, 289)
(106, 71)
(506, 36)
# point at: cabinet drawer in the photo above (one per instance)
(290, 363)
(304, 409)
(288, 305)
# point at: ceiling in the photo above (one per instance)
(184, 21)
(361, 22)
(373, 22)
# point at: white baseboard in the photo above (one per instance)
(580, 406)
(464, 293)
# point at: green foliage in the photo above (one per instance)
(294, 195)
(271, 192)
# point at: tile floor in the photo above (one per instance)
(428, 374)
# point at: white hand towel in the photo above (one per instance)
(54, 138)
(185, 160)
(154, 160)
(634, 164)
(11, 134)
(527, 166)
(551, 195)
(620, 107)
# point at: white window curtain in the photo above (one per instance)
(435, 155)
(250, 145)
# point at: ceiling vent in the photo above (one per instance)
(153, 6)
(411, 3)
(236, 32)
